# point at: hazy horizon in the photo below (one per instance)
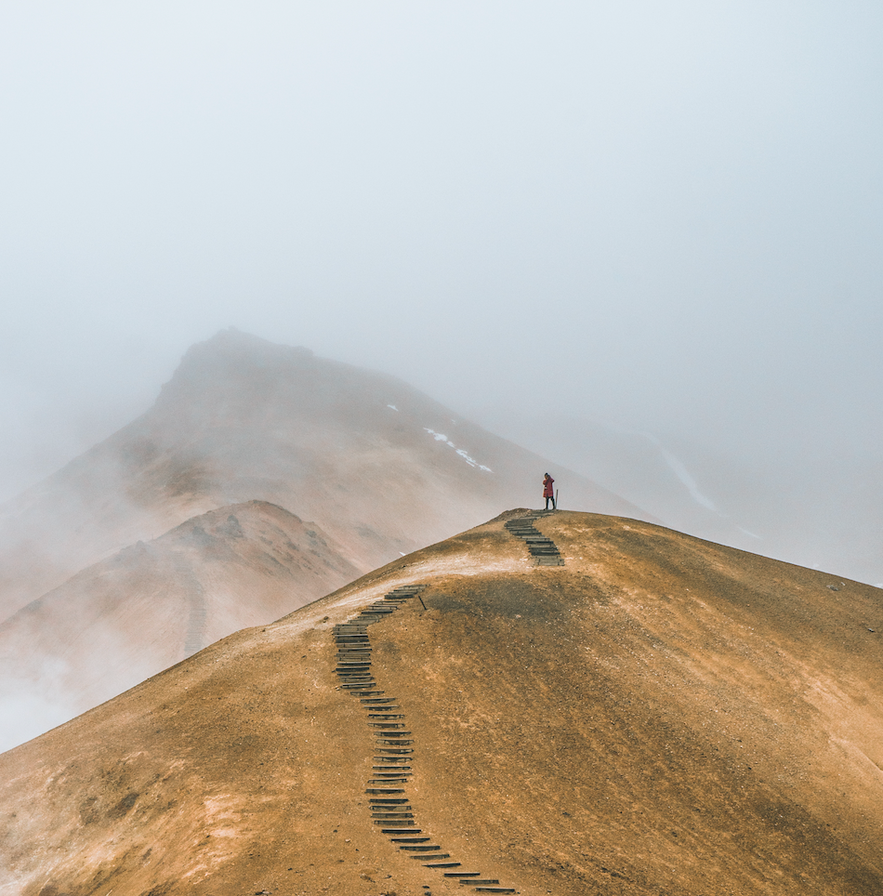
(664, 218)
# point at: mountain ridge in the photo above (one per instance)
(377, 467)
(659, 714)
(154, 603)
(244, 419)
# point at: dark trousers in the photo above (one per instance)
(550, 498)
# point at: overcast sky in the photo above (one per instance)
(667, 214)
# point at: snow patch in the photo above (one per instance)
(441, 437)
(392, 406)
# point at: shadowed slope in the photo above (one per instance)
(659, 714)
(128, 617)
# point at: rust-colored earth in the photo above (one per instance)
(660, 715)
(379, 467)
(153, 604)
(262, 478)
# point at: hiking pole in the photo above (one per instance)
(556, 499)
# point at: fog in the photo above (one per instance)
(663, 217)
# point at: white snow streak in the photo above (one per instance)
(747, 532)
(683, 474)
(392, 406)
(441, 437)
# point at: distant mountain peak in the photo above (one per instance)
(229, 356)
(232, 339)
(235, 346)
(245, 419)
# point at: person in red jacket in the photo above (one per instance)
(548, 491)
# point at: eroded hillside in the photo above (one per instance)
(153, 604)
(372, 465)
(380, 467)
(657, 715)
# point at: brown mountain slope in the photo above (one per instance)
(124, 619)
(658, 715)
(378, 465)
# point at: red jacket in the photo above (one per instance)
(547, 487)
